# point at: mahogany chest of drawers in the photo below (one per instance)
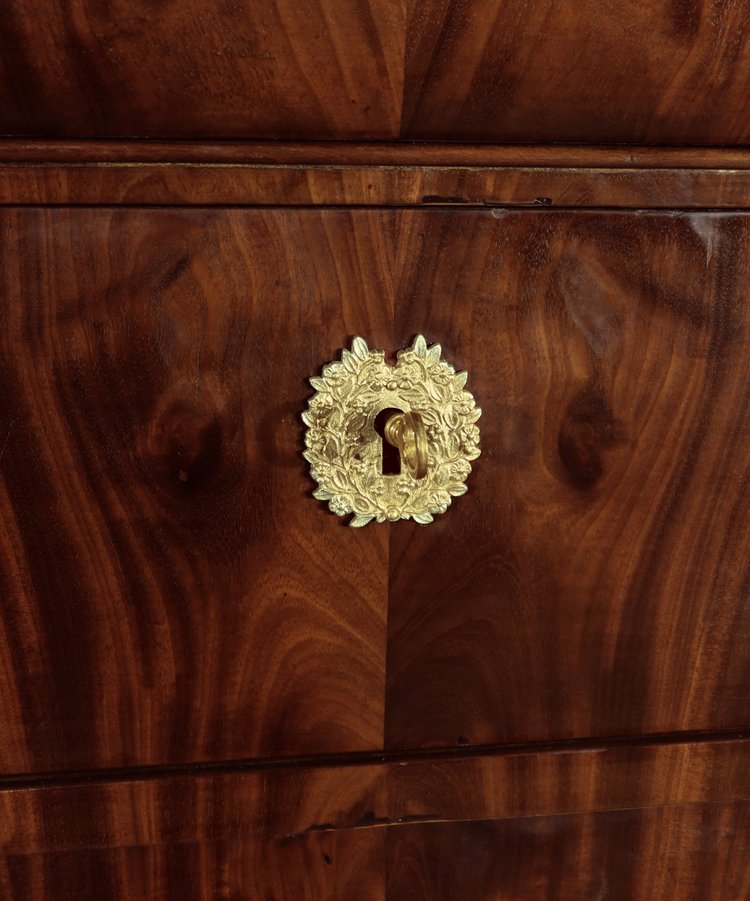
(211, 687)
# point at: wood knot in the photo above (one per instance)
(185, 439)
(588, 428)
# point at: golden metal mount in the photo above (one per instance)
(434, 430)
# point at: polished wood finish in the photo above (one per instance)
(373, 153)
(318, 832)
(359, 174)
(370, 174)
(670, 854)
(287, 803)
(341, 866)
(687, 853)
(277, 69)
(662, 72)
(161, 545)
(594, 579)
(170, 590)
(179, 184)
(210, 688)
(500, 70)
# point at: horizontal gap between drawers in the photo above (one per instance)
(358, 758)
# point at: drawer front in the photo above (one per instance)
(667, 71)
(171, 591)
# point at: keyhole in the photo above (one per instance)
(391, 460)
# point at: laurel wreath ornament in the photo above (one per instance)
(345, 452)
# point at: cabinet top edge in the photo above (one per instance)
(143, 173)
(374, 153)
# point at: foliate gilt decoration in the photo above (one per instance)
(345, 451)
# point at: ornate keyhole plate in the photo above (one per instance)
(345, 451)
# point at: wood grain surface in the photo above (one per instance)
(257, 173)
(286, 802)
(663, 72)
(594, 580)
(374, 153)
(547, 820)
(211, 184)
(341, 866)
(170, 590)
(282, 68)
(212, 689)
(672, 854)
(172, 593)
(501, 70)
